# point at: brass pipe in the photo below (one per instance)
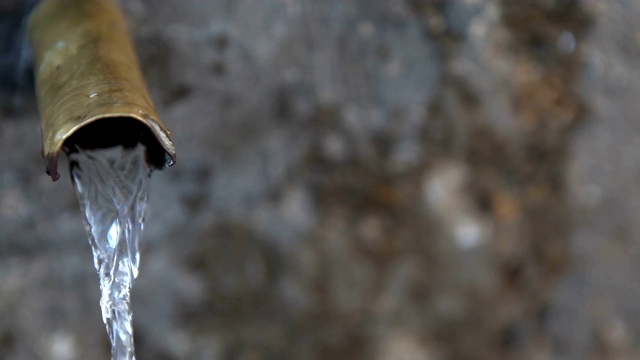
(86, 70)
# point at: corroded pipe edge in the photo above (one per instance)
(86, 70)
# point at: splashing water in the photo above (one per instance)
(112, 185)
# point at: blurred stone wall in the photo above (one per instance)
(380, 179)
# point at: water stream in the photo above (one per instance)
(112, 186)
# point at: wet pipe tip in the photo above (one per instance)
(86, 71)
(52, 167)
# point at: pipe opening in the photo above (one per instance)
(109, 132)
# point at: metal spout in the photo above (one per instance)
(86, 70)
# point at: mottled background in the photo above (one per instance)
(357, 179)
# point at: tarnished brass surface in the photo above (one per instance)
(86, 70)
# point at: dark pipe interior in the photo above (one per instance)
(122, 131)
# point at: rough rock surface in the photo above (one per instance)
(380, 179)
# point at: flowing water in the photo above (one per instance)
(112, 185)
